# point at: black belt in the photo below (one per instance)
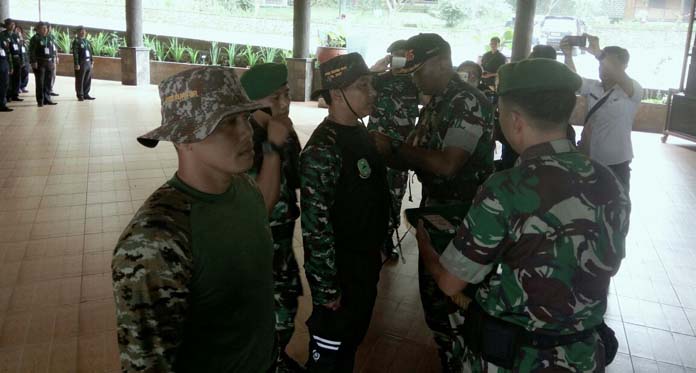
(45, 59)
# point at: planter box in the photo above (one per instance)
(162, 70)
(109, 68)
(105, 68)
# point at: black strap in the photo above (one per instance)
(598, 105)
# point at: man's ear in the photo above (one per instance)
(519, 122)
(336, 95)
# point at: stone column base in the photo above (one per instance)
(300, 72)
(135, 65)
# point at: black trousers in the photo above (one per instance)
(26, 68)
(4, 80)
(44, 77)
(15, 79)
(336, 335)
(83, 79)
(622, 171)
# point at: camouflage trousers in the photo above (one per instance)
(582, 356)
(445, 319)
(287, 288)
(398, 182)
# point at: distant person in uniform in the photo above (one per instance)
(52, 36)
(9, 35)
(41, 56)
(472, 73)
(26, 66)
(83, 57)
(5, 71)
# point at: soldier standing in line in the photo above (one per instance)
(83, 60)
(451, 151)
(192, 272)
(276, 169)
(345, 216)
(10, 36)
(52, 37)
(41, 52)
(26, 66)
(5, 71)
(395, 115)
(542, 239)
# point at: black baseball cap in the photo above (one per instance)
(421, 48)
(398, 45)
(340, 72)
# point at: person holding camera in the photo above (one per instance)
(612, 103)
(395, 115)
(541, 240)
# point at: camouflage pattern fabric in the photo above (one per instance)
(395, 114)
(286, 273)
(461, 117)
(320, 167)
(195, 101)
(555, 226)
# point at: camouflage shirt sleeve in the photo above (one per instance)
(470, 256)
(466, 123)
(319, 173)
(151, 269)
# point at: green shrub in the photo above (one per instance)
(193, 54)
(99, 42)
(452, 12)
(177, 49)
(252, 57)
(63, 40)
(231, 51)
(214, 53)
(268, 55)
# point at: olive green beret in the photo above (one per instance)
(536, 74)
(263, 79)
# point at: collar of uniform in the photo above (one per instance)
(548, 148)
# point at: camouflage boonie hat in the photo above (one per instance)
(194, 102)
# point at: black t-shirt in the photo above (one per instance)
(491, 62)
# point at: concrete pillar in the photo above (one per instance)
(524, 28)
(300, 28)
(4, 9)
(300, 67)
(135, 59)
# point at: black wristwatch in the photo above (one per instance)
(269, 147)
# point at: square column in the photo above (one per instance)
(300, 74)
(135, 65)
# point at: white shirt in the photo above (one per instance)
(612, 123)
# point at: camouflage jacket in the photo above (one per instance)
(396, 107)
(345, 203)
(555, 226)
(460, 117)
(181, 273)
(287, 209)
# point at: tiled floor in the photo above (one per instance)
(72, 175)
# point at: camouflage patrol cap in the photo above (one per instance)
(421, 48)
(536, 74)
(194, 102)
(340, 72)
(263, 79)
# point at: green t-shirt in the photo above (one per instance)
(193, 282)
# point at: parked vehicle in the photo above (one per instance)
(554, 28)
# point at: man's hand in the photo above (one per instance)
(383, 143)
(566, 48)
(77, 67)
(382, 65)
(335, 305)
(593, 45)
(57, 60)
(277, 132)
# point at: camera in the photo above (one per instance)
(577, 41)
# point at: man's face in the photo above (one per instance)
(425, 77)
(607, 64)
(82, 34)
(43, 30)
(279, 101)
(494, 45)
(361, 96)
(507, 117)
(11, 27)
(229, 149)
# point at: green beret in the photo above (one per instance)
(536, 74)
(263, 79)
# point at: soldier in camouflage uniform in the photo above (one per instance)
(276, 164)
(451, 151)
(542, 239)
(345, 216)
(395, 115)
(192, 272)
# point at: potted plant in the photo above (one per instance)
(332, 45)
